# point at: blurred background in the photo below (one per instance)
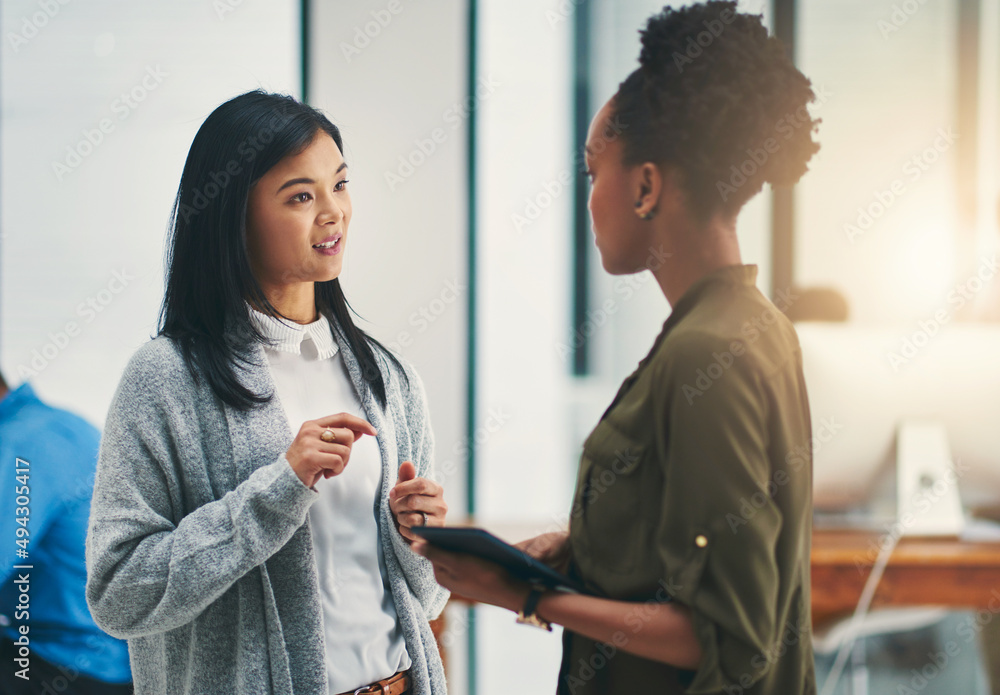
(472, 255)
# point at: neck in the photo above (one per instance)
(297, 301)
(697, 251)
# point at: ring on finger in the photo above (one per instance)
(424, 514)
(328, 435)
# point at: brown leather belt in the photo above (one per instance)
(398, 684)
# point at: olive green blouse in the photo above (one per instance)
(696, 486)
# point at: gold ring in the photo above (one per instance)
(328, 435)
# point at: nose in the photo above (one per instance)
(331, 210)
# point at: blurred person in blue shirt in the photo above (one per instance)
(48, 641)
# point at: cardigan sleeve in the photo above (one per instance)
(420, 573)
(147, 574)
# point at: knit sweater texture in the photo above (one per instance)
(199, 550)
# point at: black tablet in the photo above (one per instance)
(476, 541)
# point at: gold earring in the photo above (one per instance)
(645, 215)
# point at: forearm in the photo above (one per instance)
(653, 630)
(661, 631)
(147, 576)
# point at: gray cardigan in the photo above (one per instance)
(198, 547)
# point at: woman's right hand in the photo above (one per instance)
(551, 548)
(312, 459)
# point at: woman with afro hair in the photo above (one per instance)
(691, 520)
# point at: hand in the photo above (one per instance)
(412, 495)
(312, 459)
(550, 548)
(473, 578)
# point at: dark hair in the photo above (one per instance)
(712, 89)
(209, 278)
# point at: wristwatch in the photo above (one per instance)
(528, 616)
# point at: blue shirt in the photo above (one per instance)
(61, 451)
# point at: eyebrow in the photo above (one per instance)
(295, 182)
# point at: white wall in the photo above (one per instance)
(391, 75)
(94, 232)
(525, 238)
(526, 463)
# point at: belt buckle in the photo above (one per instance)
(380, 688)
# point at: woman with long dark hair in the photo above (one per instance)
(692, 514)
(263, 459)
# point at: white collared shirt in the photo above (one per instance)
(364, 642)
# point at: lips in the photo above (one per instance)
(329, 242)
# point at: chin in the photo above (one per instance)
(333, 270)
(613, 267)
(611, 264)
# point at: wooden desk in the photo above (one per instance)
(921, 571)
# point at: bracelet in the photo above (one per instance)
(528, 616)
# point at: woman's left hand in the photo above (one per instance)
(473, 578)
(411, 496)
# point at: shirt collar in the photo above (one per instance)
(16, 398)
(289, 335)
(740, 275)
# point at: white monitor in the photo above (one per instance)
(864, 382)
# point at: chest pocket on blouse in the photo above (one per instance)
(611, 527)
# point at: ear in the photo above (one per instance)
(648, 188)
